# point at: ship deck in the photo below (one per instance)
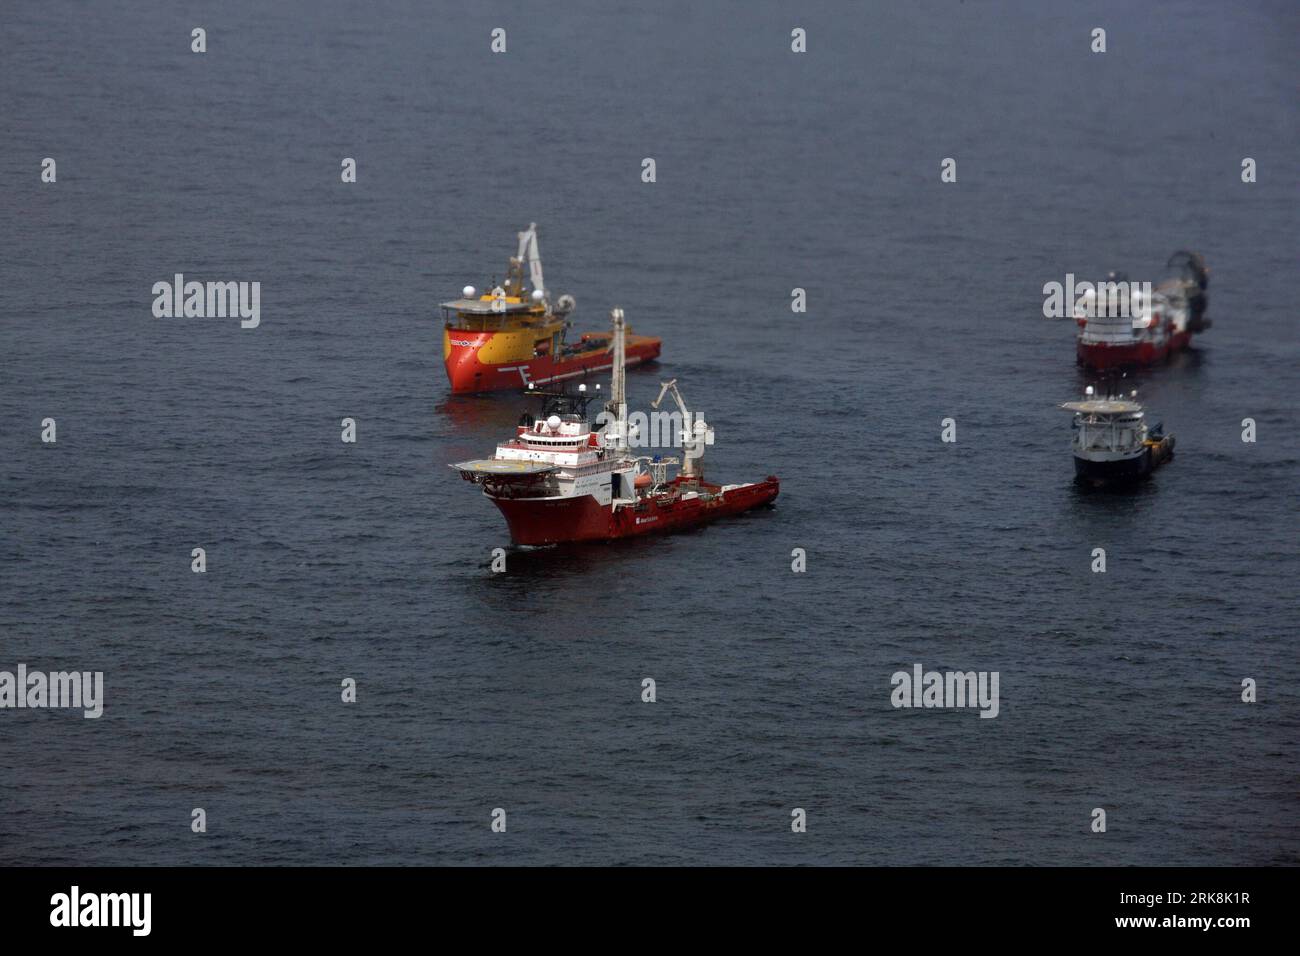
(503, 466)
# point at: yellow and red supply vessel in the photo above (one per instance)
(509, 336)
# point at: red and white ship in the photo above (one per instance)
(1142, 333)
(510, 336)
(558, 480)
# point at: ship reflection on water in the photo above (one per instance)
(473, 416)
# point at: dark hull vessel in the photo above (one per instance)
(1113, 445)
(1121, 471)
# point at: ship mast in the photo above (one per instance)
(617, 404)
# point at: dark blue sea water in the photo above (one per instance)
(522, 690)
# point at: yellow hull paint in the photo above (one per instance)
(503, 347)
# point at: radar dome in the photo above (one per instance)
(468, 291)
(553, 422)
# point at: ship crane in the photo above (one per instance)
(528, 253)
(696, 434)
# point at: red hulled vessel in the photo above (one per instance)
(558, 480)
(1142, 332)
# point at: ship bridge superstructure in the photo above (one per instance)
(557, 455)
(1107, 426)
(510, 304)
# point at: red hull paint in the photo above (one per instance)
(536, 522)
(1127, 356)
(467, 374)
